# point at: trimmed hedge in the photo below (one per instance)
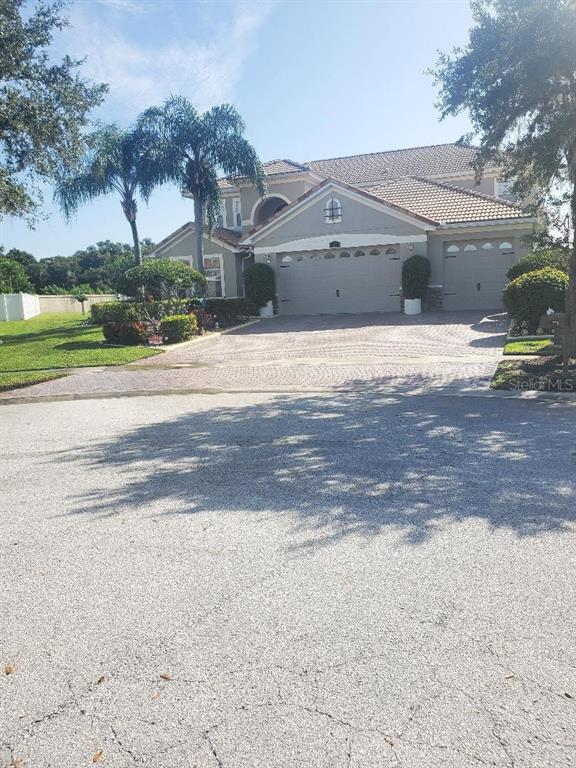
(230, 311)
(130, 333)
(178, 328)
(537, 260)
(260, 284)
(114, 312)
(415, 277)
(529, 296)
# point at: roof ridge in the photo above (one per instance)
(471, 192)
(391, 151)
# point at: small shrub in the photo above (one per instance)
(415, 277)
(230, 311)
(529, 296)
(129, 333)
(260, 284)
(176, 328)
(114, 312)
(206, 321)
(537, 260)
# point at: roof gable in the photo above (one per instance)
(226, 237)
(340, 189)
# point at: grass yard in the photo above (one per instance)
(533, 347)
(31, 348)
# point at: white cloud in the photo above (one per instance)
(140, 75)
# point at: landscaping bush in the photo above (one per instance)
(178, 328)
(230, 311)
(166, 279)
(415, 277)
(529, 296)
(537, 260)
(129, 333)
(114, 312)
(259, 284)
(206, 320)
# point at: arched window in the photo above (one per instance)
(487, 247)
(333, 211)
(470, 247)
(314, 256)
(374, 252)
(359, 254)
(344, 255)
(506, 247)
(452, 249)
(390, 252)
(286, 259)
(299, 258)
(329, 255)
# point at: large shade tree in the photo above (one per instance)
(112, 165)
(44, 104)
(191, 149)
(516, 78)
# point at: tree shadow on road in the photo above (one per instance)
(349, 464)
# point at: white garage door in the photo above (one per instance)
(356, 280)
(475, 273)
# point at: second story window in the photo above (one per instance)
(222, 214)
(333, 211)
(236, 207)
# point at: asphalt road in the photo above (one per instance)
(272, 581)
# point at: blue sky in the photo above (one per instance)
(312, 79)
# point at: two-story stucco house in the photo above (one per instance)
(336, 231)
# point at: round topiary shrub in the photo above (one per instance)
(260, 284)
(176, 328)
(415, 277)
(537, 260)
(129, 333)
(529, 296)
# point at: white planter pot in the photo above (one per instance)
(267, 310)
(412, 306)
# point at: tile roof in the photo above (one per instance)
(271, 168)
(229, 236)
(433, 160)
(444, 202)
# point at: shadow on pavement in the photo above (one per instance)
(350, 464)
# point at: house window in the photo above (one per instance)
(222, 214)
(286, 259)
(374, 252)
(390, 252)
(487, 247)
(505, 188)
(213, 271)
(470, 247)
(506, 247)
(344, 255)
(237, 208)
(452, 249)
(333, 211)
(329, 255)
(359, 254)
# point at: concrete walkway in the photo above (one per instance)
(457, 350)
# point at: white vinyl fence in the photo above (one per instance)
(18, 306)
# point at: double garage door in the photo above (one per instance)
(475, 273)
(358, 280)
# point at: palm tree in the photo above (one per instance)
(190, 149)
(112, 164)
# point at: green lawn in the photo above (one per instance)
(26, 378)
(56, 341)
(533, 347)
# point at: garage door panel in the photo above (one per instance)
(474, 280)
(310, 283)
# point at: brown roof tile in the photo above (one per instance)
(444, 202)
(433, 160)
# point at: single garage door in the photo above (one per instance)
(330, 282)
(475, 273)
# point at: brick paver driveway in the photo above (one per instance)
(392, 351)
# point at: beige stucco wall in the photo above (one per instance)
(49, 304)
